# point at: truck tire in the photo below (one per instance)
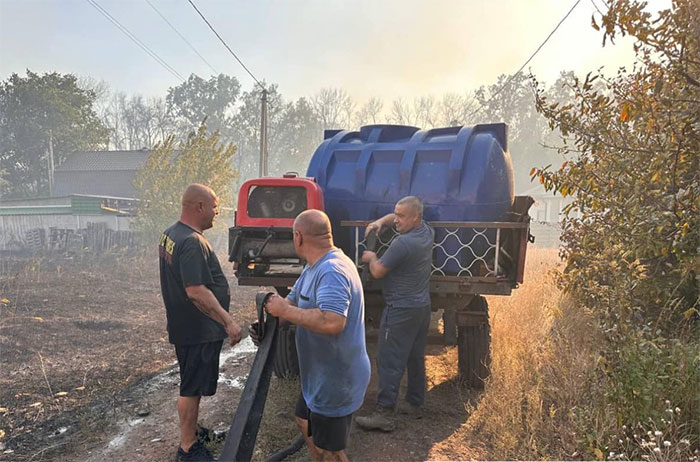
(449, 327)
(474, 343)
(286, 362)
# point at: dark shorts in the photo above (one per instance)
(199, 368)
(329, 433)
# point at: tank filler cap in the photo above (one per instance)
(290, 175)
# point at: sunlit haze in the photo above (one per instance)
(387, 49)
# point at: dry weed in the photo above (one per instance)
(542, 358)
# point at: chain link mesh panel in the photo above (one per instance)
(452, 256)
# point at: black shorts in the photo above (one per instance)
(329, 433)
(199, 368)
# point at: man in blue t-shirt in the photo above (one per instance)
(327, 305)
(405, 268)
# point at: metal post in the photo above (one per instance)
(498, 246)
(51, 163)
(263, 134)
(357, 245)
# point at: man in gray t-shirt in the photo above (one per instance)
(405, 268)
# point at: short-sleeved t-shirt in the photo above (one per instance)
(187, 259)
(334, 369)
(409, 260)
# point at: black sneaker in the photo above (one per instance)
(197, 453)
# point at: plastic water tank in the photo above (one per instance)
(460, 173)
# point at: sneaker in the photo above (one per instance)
(411, 410)
(204, 434)
(207, 435)
(380, 420)
(197, 453)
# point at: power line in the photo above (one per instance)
(225, 44)
(181, 36)
(596, 7)
(134, 39)
(483, 106)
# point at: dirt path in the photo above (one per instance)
(145, 426)
(429, 438)
(91, 376)
(154, 436)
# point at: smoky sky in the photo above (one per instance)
(387, 49)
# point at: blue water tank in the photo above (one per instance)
(460, 173)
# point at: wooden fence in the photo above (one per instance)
(19, 232)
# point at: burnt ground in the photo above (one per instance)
(88, 373)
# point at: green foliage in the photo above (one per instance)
(32, 109)
(205, 101)
(632, 233)
(636, 176)
(202, 158)
(648, 373)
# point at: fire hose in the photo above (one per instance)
(241, 436)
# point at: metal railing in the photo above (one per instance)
(460, 249)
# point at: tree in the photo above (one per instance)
(634, 176)
(137, 123)
(34, 109)
(198, 100)
(454, 109)
(401, 113)
(300, 134)
(171, 166)
(333, 107)
(246, 128)
(514, 104)
(425, 111)
(369, 112)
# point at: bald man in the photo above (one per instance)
(327, 305)
(196, 296)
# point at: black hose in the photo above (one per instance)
(288, 451)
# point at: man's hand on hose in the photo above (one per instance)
(276, 306)
(254, 332)
(368, 256)
(375, 227)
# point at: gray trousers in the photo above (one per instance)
(403, 334)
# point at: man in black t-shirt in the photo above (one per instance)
(196, 296)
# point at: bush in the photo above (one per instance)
(170, 168)
(632, 233)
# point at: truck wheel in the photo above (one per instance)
(474, 343)
(449, 327)
(286, 362)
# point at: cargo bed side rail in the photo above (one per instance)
(475, 251)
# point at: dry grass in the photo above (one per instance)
(543, 355)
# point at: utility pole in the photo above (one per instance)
(263, 135)
(50, 162)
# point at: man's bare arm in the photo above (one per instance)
(378, 225)
(376, 269)
(206, 302)
(314, 319)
